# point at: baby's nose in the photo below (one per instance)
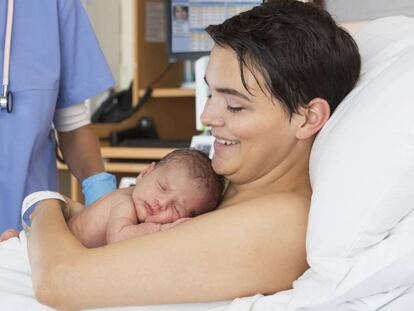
(163, 204)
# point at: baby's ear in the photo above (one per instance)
(146, 171)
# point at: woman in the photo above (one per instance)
(275, 74)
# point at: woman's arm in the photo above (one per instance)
(254, 247)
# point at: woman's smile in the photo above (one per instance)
(226, 142)
(224, 145)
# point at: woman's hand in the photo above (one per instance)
(8, 234)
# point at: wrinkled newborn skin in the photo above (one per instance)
(164, 197)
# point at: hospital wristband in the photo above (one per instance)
(30, 203)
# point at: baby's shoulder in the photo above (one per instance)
(121, 195)
(125, 191)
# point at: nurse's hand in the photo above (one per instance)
(8, 234)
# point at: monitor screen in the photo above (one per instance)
(187, 19)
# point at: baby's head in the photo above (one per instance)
(182, 184)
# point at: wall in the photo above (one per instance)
(357, 10)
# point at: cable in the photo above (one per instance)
(56, 143)
(141, 101)
(161, 75)
(148, 90)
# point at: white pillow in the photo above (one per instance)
(362, 169)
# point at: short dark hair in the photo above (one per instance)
(297, 47)
(200, 170)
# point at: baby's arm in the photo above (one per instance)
(123, 229)
(90, 225)
(123, 223)
(87, 226)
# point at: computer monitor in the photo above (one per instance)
(187, 19)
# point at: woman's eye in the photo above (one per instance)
(234, 109)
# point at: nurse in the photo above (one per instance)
(50, 63)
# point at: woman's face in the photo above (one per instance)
(253, 133)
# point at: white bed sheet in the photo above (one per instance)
(16, 292)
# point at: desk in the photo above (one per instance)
(112, 157)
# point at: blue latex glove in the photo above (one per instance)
(96, 186)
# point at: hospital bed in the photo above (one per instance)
(361, 224)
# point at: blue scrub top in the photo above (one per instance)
(56, 62)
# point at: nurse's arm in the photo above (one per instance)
(81, 151)
(255, 247)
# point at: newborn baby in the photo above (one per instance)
(181, 185)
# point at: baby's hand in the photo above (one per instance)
(71, 208)
(175, 223)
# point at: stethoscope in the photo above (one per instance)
(6, 99)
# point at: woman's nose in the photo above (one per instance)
(211, 115)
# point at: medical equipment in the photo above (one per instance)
(6, 100)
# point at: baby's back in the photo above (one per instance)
(90, 226)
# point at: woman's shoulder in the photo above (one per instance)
(269, 212)
(275, 203)
(291, 197)
(271, 229)
(293, 201)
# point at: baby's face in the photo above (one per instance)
(166, 193)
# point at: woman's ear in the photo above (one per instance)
(146, 171)
(314, 117)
